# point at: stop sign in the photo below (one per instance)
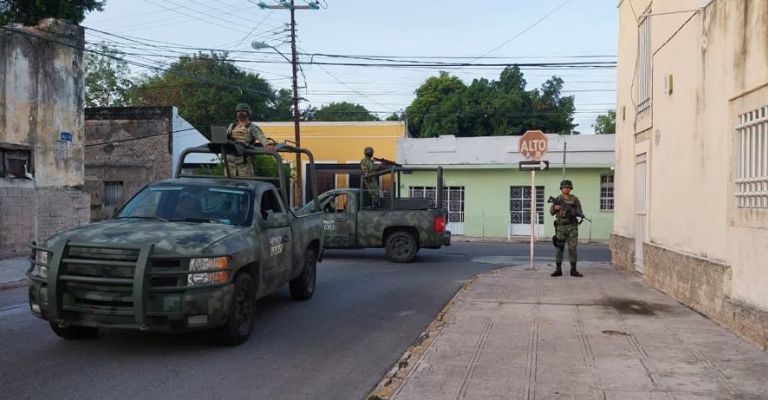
(533, 145)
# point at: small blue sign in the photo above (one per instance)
(66, 136)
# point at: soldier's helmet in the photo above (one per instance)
(368, 151)
(566, 183)
(243, 107)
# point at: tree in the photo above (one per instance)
(605, 123)
(428, 104)
(206, 88)
(343, 111)
(106, 78)
(281, 106)
(396, 117)
(445, 105)
(30, 12)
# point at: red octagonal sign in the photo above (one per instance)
(533, 145)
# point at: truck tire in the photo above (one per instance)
(72, 332)
(401, 247)
(241, 312)
(303, 287)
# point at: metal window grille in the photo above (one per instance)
(606, 192)
(15, 163)
(752, 179)
(452, 195)
(520, 204)
(644, 65)
(113, 194)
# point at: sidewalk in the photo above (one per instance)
(12, 272)
(516, 334)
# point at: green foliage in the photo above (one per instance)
(264, 165)
(206, 88)
(605, 123)
(445, 105)
(343, 111)
(281, 106)
(106, 82)
(30, 12)
(396, 117)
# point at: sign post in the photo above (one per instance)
(532, 146)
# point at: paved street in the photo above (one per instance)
(366, 313)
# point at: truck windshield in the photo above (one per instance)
(189, 203)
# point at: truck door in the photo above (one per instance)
(278, 239)
(339, 221)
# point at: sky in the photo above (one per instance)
(500, 31)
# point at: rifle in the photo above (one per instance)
(386, 162)
(569, 211)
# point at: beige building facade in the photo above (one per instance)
(691, 165)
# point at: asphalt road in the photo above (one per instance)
(365, 314)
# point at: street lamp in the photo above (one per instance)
(296, 117)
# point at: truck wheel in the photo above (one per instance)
(241, 312)
(303, 287)
(401, 247)
(72, 332)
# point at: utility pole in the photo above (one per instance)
(292, 7)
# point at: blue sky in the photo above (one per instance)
(395, 28)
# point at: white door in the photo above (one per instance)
(641, 217)
(520, 210)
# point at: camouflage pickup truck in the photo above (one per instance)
(400, 225)
(189, 253)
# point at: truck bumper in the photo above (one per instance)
(88, 285)
(443, 239)
(185, 310)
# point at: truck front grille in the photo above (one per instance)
(98, 280)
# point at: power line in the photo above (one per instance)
(528, 28)
(112, 56)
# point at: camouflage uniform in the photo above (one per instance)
(246, 134)
(567, 229)
(371, 185)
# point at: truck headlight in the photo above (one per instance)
(211, 270)
(40, 271)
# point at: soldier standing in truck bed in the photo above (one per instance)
(244, 131)
(370, 184)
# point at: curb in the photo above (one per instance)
(14, 284)
(394, 379)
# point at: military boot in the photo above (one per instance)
(574, 272)
(558, 270)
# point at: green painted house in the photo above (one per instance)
(488, 196)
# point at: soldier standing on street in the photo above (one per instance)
(566, 227)
(371, 184)
(244, 131)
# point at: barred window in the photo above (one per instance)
(15, 163)
(752, 179)
(644, 65)
(113, 194)
(452, 195)
(606, 192)
(520, 204)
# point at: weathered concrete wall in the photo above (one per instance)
(131, 145)
(41, 106)
(622, 252)
(42, 81)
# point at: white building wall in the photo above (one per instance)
(184, 136)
